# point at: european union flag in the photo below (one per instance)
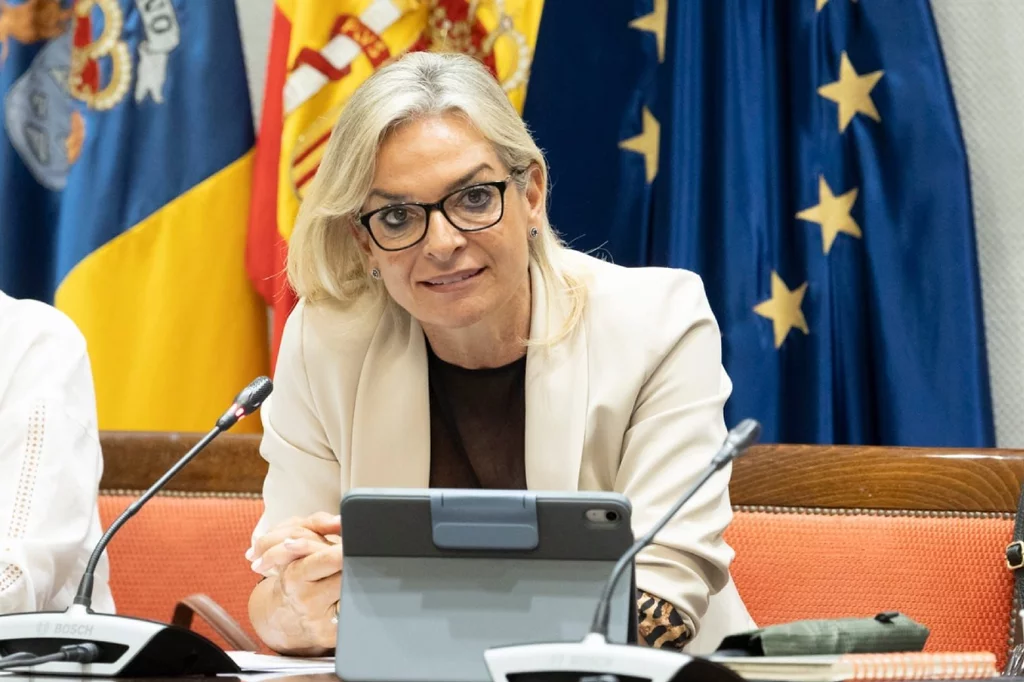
(805, 158)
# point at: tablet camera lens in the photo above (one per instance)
(602, 516)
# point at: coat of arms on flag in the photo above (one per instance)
(127, 161)
(320, 53)
(84, 58)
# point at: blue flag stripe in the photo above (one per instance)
(140, 147)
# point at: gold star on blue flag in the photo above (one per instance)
(807, 163)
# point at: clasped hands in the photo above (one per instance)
(304, 557)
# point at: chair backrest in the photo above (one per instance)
(829, 532)
(191, 539)
(819, 532)
(182, 545)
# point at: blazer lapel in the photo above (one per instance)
(391, 416)
(556, 394)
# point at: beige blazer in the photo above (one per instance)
(632, 402)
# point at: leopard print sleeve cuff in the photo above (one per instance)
(661, 625)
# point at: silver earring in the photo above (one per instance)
(534, 232)
(375, 273)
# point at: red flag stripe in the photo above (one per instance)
(266, 249)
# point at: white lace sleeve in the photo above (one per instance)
(50, 461)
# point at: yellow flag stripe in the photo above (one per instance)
(173, 326)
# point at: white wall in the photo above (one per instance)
(985, 59)
(254, 16)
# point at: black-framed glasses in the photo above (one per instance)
(469, 209)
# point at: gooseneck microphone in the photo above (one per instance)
(245, 403)
(594, 658)
(80, 642)
(736, 441)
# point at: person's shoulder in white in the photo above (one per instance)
(50, 453)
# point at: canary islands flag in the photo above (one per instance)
(126, 160)
(805, 158)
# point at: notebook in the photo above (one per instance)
(845, 667)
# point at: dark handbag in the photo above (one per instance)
(1015, 563)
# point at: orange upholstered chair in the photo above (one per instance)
(820, 532)
(181, 546)
(190, 542)
(850, 532)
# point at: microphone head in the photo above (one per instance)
(739, 438)
(246, 402)
(743, 435)
(253, 395)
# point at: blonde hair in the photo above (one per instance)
(324, 259)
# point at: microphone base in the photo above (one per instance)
(594, 658)
(129, 647)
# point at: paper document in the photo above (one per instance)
(251, 662)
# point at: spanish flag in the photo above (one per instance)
(319, 54)
(127, 167)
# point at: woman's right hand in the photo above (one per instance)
(291, 540)
(295, 609)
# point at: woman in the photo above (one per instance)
(50, 459)
(445, 337)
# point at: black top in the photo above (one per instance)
(477, 425)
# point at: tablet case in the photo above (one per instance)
(433, 578)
